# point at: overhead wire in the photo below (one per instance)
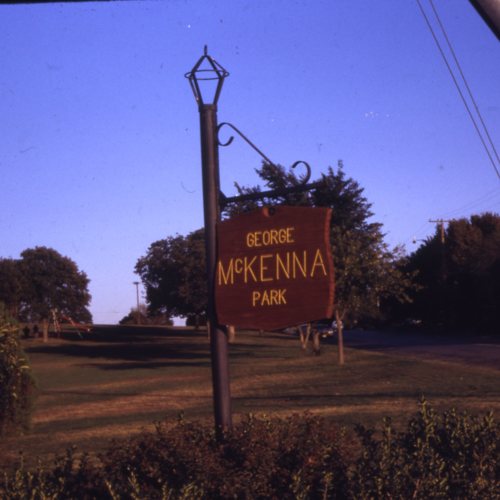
(455, 58)
(420, 234)
(443, 55)
(491, 197)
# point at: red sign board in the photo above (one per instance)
(274, 268)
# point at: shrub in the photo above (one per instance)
(16, 383)
(438, 456)
(302, 457)
(68, 477)
(260, 458)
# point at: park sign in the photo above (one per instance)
(274, 268)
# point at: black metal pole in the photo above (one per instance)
(218, 333)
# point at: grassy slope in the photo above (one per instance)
(119, 380)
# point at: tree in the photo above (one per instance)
(52, 281)
(461, 275)
(11, 285)
(366, 270)
(174, 275)
(136, 316)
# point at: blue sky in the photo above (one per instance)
(99, 136)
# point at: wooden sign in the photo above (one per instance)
(274, 268)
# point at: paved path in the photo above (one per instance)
(484, 351)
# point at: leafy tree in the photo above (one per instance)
(11, 285)
(460, 278)
(366, 270)
(145, 317)
(52, 281)
(136, 316)
(174, 276)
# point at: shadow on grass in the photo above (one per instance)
(126, 351)
(352, 399)
(141, 365)
(96, 394)
(137, 333)
(148, 353)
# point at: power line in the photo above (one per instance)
(491, 197)
(443, 55)
(464, 79)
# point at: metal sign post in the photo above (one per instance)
(206, 69)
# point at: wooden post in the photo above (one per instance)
(231, 334)
(340, 337)
(316, 342)
(45, 330)
(304, 336)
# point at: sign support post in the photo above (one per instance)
(207, 69)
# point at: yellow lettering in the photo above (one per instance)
(264, 268)
(265, 299)
(238, 266)
(281, 265)
(269, 237)
(274, 236)
(257, 240)
(318, 262)
(301, 265)
(273, 266)
(250, 240)
(247, 269)
(227, 278)
(272, 297)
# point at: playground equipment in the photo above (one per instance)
(58, 319)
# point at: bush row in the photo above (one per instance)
(447, 455)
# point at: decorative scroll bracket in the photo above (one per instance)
(302, 187)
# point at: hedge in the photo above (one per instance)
(447, 455)
(16, 382)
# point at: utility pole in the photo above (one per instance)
(443, 299)
(137, 313)
(440, 223)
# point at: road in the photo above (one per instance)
(483, 351)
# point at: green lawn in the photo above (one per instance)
(119, 380)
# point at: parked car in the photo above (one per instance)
(325, 328)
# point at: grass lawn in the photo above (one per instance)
(118, 381)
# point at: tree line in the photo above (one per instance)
(453, 284)
(452, 280)
(458, 276)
